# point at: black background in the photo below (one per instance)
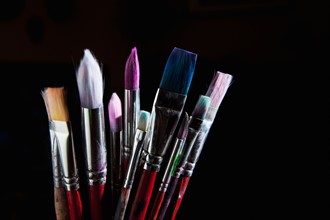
(260, 160)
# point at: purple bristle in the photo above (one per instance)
(132, 71)
(183, 130)
(115, 113)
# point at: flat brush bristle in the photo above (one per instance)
(218, 88)
(183, 130)
(179, 71)
(55, 101)
(201, 107)
(115, 113)
(143, 120)
(90, 81)
(132, 71)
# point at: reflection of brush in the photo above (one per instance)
(216, 91)
(195, 125)
(115, 120)
(140, 133)
(62, 140)
(90, 85)
(166, 111)
(170, 167)
(131, 103)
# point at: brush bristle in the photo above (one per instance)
(56, 103)
(90, 82)
(201, 107)
(143, 120)
(216, 91)
(115, 113)
(179, 71)
(132, 71)
(183, 130)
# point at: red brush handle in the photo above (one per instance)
(182, 189)
(143, 195)
(61, 204)
(125, 165)
(74, 204)
(96, 193)
(156, 206)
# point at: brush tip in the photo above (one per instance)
(183, 130)
(90, 81)
(143, 120)
(179, 71)
(56, 103)
(201, 107)
(132, 71)
(115, 113)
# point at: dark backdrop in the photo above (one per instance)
(254, 164)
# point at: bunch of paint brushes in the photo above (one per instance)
(152, 154)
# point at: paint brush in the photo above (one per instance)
(90, 86)
(142, 128)
(116, 128)
(171, 165)
(195, 125)
(216, 91)
(64, 150)
(166, 110)
(131, 103)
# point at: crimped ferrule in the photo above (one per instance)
(93, 135)
(56, 162)
(63, 139)
(166, 112)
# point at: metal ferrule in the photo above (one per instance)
(134, 159)
(56, 162)
(94, 142)
(166, 112)
(175, 156)
(196, 149)
(131, 113)
(116, 160)
(63, 140)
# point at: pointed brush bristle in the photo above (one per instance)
(201, 107)
(56, 103)
(143, 120)
(132, 71)
(183, 130)
(178, 71)
(90, 81)
(115, 113)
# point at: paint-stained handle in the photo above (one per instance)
(74, 204)
(61, 204)
(96, 193)
(143, 195)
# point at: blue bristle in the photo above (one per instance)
(178, 71)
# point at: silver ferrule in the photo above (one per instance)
(115, 158)
(172, 162)
(131, 113)
(196, 150)
(134, 159)
(56, 162)
(63, 139)
(93, 127)
(165, 114)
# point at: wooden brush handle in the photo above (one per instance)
(61, 204)
(74, 204)
(168, 198)
(143, 195)
(156, 205)
(96, 193)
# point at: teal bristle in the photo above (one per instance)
(201, 107)
(178, 71)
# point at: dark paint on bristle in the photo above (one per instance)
(201, 107)
(179, 71)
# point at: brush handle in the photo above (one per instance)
(182, 186)
(122, 204)
(143, 195)
(74, 204)
(125, 166)
(61, 204)
(168, 197)
(96, 193)
(156, 206)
